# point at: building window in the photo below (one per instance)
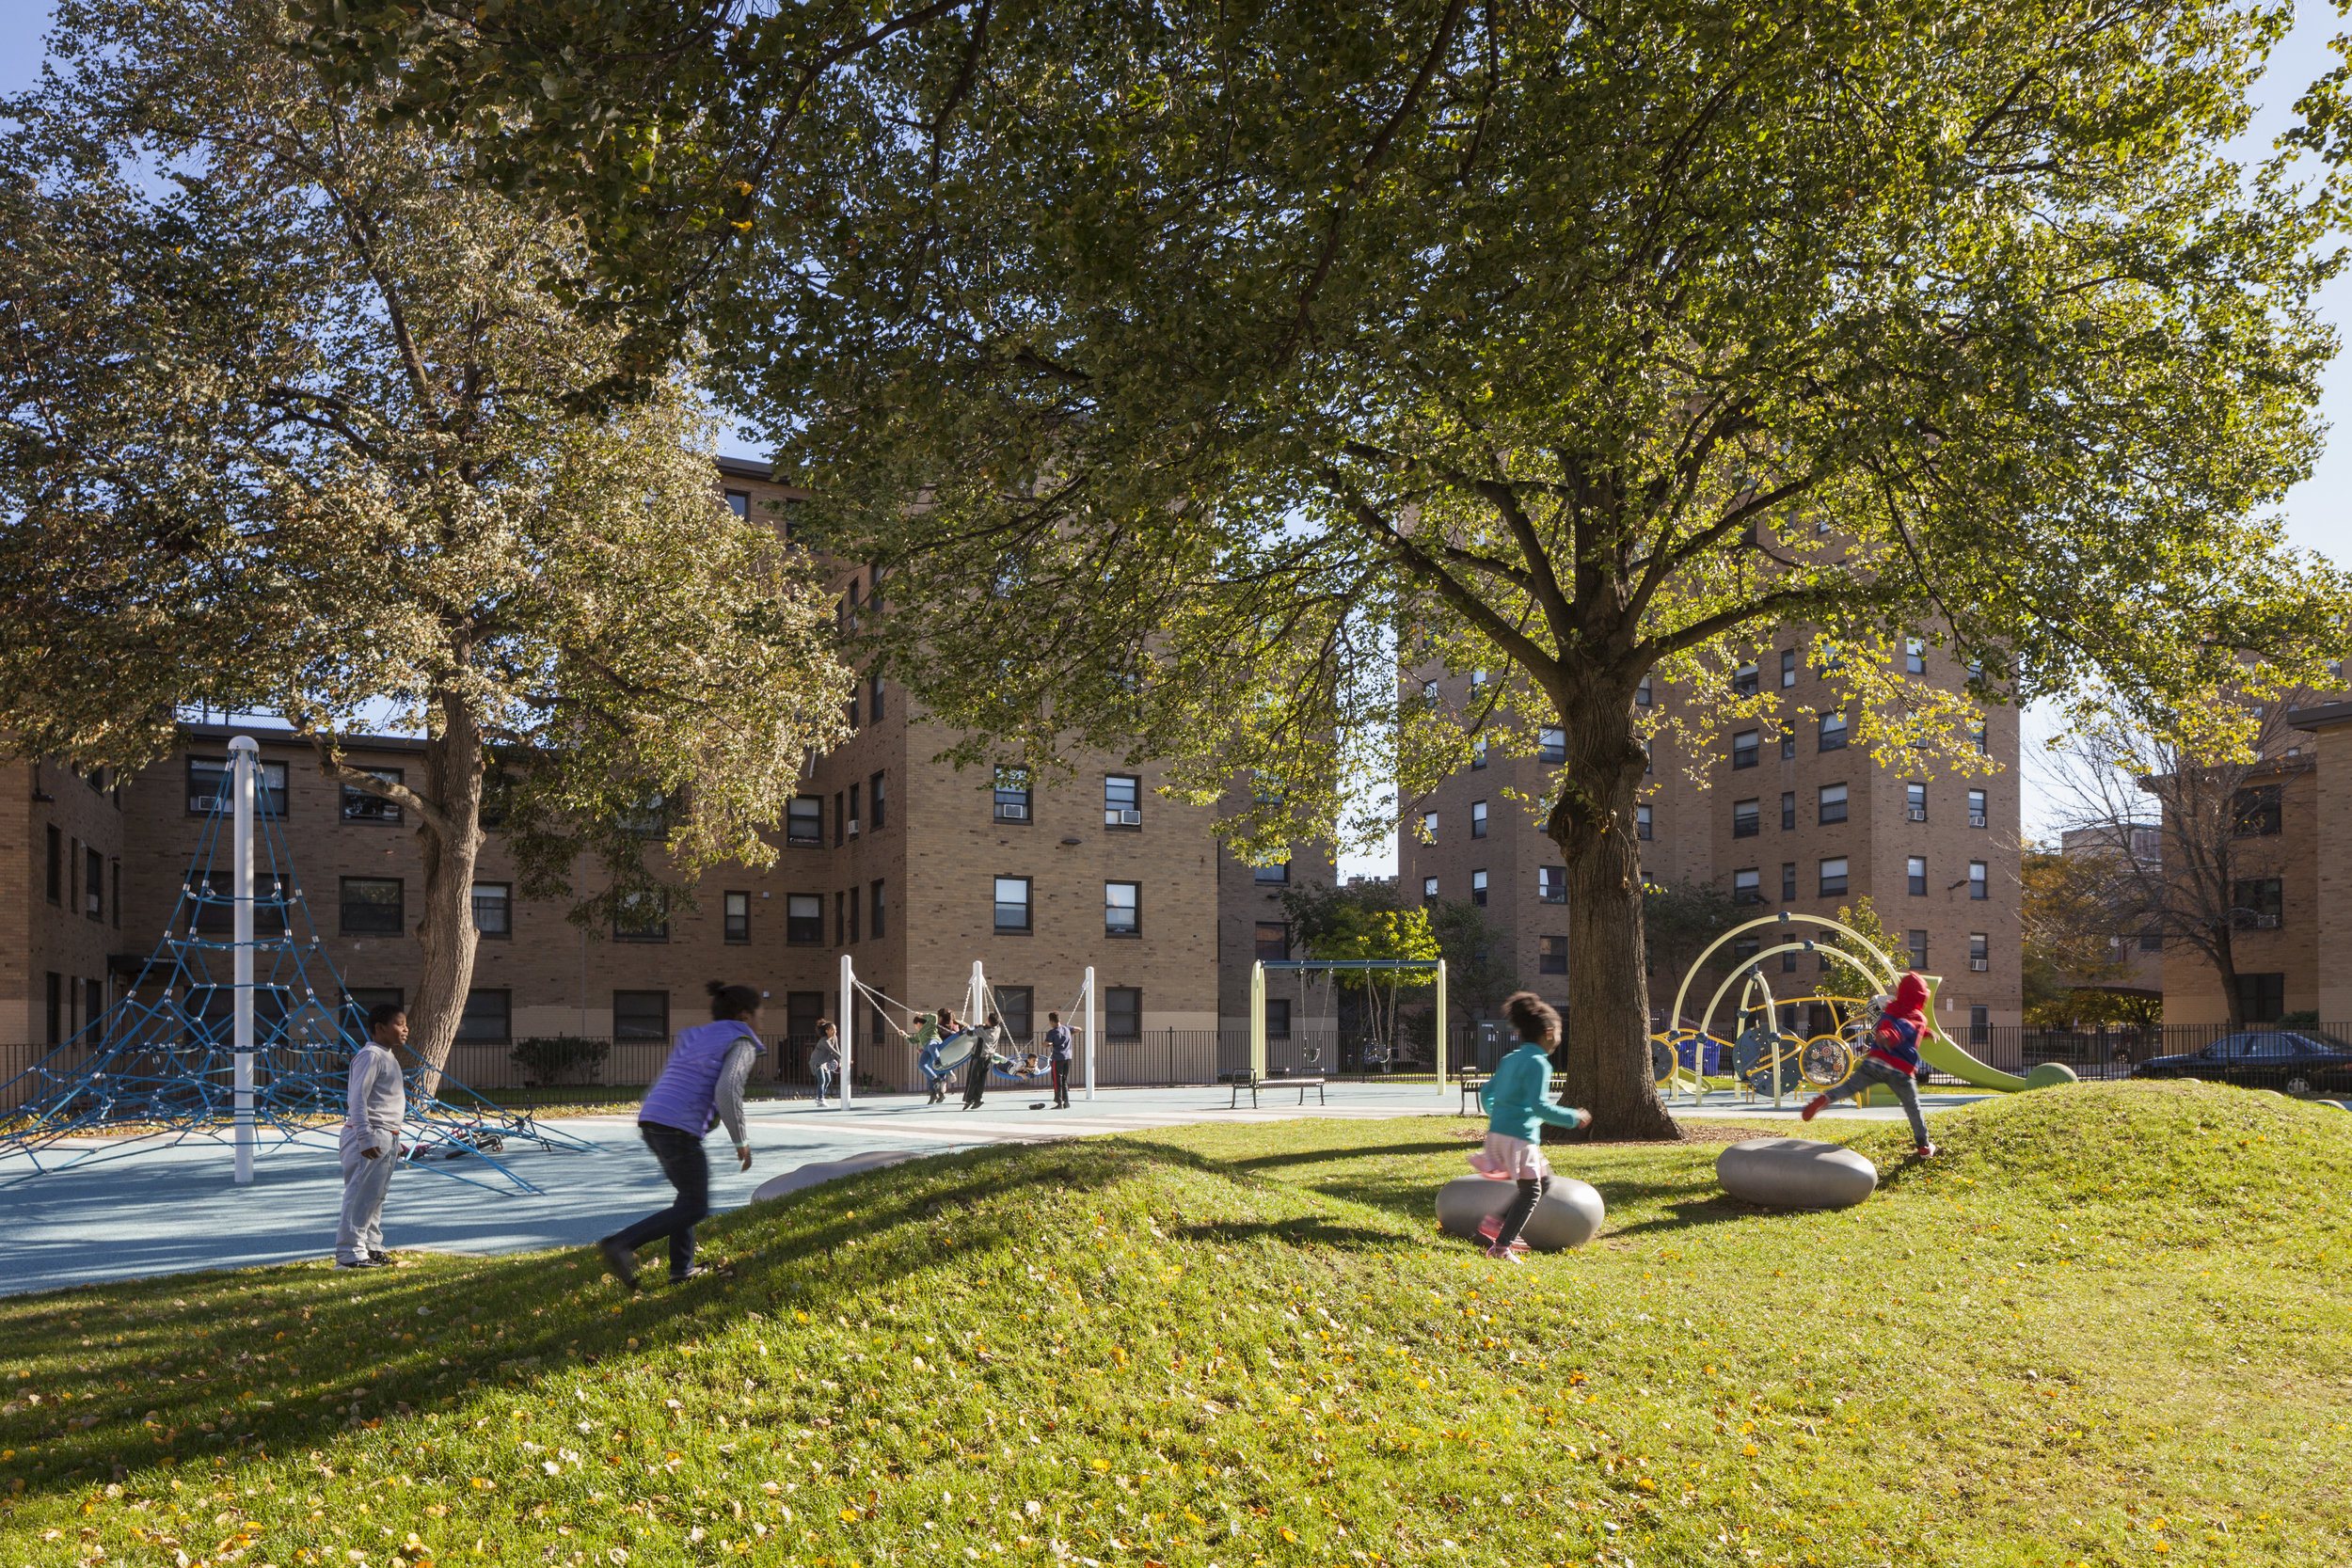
(1746, 818)
(1122, 802)
(1788, 881)
(1016, 1009)
(1980, 952)
(1743, 748)
(1642, 697)
(2152, 941)
(1744, 948)
(359, 1001)
(876, 797)
(1915, 875)
(841, 920)
(1478, 753)
(93, 884)
(1976, 733)
(1277, 875)
(494, 909)
(2255, 904)
(1648, 762)
(1788, 963)
(56, 868)
(640, 917)
(1788, 809)
(371, 907)
(1429, 890)
(1833, 807)
(1918, 943)
(736, 914)
(208, 787)
(874, 692)
(1551, 745)
(2255, 813)
(840, 820)
(1915, 656)
(1478, 678)
(739, 503)
(1429, 824)
(1551, 884)
(1915, 801)
(1833, 732)
(1122, 916)
(487, 1019)
(1278, 1018)
(1979, 885)
(1747, 886)
(1833, 878)
(641, 1014)
(1478, 819)
(1743, 681)
(1642, 823)
(1478, 889)
(1273, 942)
(855, 821)
(360, 806)
(2262, 997)
(804, 822)
(1012, 903)
(56, 1008)
(1975, 808)
(1551, 955)
(1787, 667)
(1979, 1026)
(117, 869)
(1122, 1012)
(804, 920)
(1429, 693)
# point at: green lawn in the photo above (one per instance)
(2110, 1328)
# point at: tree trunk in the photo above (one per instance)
(445, 929)
(1605, 1056)
(2225, 970)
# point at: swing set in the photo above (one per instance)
(979, 1000)
(1384, 1043)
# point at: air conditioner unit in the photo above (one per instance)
(2266, 923)
(1919, 813)
(1129, 818)
(853, 827)
(1975, 819)
(1980, 965)
(1010, 812)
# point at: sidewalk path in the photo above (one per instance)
(170, 1211)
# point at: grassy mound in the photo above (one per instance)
(1248, 1344)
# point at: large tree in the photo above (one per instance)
(1237, 354)
(285, 426)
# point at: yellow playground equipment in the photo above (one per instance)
(1766, 1058)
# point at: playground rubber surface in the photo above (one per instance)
(174, 1211)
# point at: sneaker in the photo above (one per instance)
(1813, 1107)
(693, 1272)
(1926, 1152)
(357, 1263)
(621, 1260)
(1503, 1253)
(381, 1259)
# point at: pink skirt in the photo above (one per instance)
(1508, 1159)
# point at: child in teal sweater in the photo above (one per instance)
(1516, 1108)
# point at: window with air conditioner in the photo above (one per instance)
(1746, 818)
(854, 812)
(1743, 752)
(1011, 795)
(1478, 819)
(1834, 876)
(209, 781)
(1747, 886)
(1551, 884)
(804, 822)
(1916, 876)
(1122, 802)
(1975, 808)
(1478, 888)
(2255, 903)
(93, 883)
(1980, 952)
(1979, 736)
(1915, 801)
(1832, 803)
(804, 919)
(1551, 745)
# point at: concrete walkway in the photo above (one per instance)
(171, 1210)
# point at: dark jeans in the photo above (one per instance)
(975, 1080)
(1515, 1217)
(1061, 1081)
(689, 1170)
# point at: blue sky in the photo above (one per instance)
(2318, 512)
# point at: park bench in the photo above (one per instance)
(1474, 1085)
(1250, 1081)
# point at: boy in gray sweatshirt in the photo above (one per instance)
(376, 1103)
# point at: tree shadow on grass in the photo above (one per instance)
(1306, 1231)
(1352, 1151)
(1720, 1209)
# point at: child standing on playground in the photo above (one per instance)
(1517, 1104)
(1893, 1058)
(701, 1086)
(1058, 1044)
(376, 1103)
(823, 1058)
(983, 1057)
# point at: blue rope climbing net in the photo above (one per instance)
(157, 1069)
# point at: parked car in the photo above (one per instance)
(2299, 1061)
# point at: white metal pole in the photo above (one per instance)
(1257, 1018)
(1441, 1027)
(848, 1026)
(1089, 1018)
(242, 754)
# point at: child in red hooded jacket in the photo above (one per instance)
(1892, 1059)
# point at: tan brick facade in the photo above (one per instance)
(1694, 836)
(61, 941)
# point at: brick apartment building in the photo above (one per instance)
(912, 868)
(1793, 819)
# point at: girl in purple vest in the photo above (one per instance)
(701, 1086)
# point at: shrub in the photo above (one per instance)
(553, 1058)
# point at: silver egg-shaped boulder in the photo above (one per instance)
(1795, 1173)
(1568, 1215)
